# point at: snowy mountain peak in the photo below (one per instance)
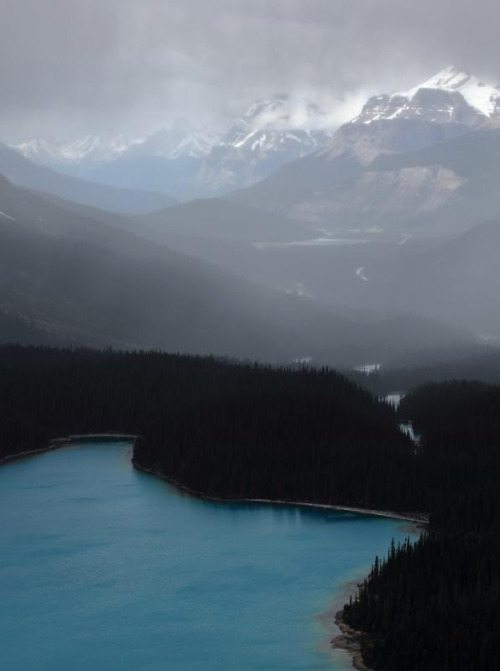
(177, 142)
(295, 126)
(450, 96)
(96, 147)
(482, 97)
(90, 147)
(271, 132)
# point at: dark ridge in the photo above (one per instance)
(483, 366)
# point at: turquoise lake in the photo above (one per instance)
(104, 568)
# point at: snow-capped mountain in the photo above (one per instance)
(276, 119)
(280, 124)
(176, 142)
(450, 96)
(270, 133)
(425, 157)
(274, 124)
(91, 148)
(441, 108)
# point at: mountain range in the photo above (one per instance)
(408, 158)
(272, 133)
(192, 162)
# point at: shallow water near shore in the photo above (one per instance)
(103, 567)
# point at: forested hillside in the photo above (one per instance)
(222, 429)
(435, 605)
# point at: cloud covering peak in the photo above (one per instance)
(68, 66)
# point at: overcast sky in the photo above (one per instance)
(75, 66)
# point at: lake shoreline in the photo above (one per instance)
(58, 443)
(349, 640)
(419, 519)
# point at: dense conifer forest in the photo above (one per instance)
(435, 605)
(223, 429)
(232, 430)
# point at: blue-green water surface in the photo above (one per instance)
(104, 568)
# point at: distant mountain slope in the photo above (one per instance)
(153, 173)
(469, 170)
(399, 163)
(377, 285)
(451, 185)
(23, 331)
(83, 281)
(25, 173)
(459, 281)
(213, 219)
(96, 285)
(455, 280)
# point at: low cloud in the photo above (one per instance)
(73, 66)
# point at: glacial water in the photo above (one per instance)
(103, 568)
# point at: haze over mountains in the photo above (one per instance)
(388, 204)
(187, 162)
(72, 278)
(25, 173)
(367, 244)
